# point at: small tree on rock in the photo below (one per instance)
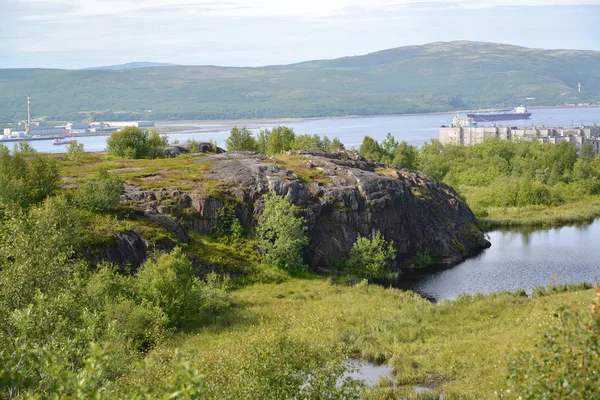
(282, 234)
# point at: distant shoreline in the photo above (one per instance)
(212, 123)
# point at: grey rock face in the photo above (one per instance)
(129, 248)
(175, 150)
(200, 147)
(342, 197)
(173, 227)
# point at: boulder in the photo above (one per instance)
(342, 197)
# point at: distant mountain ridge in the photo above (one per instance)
(130, 65)
(441, 76)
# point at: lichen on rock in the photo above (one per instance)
(342, 197)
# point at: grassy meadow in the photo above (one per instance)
(459, 348)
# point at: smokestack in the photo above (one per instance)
(28, 110)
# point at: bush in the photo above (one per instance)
(241, 140)
(25, 183)
(47, 320)
(102, 193)
(132, 142)
(280, 139)
(369, 257)
(332, 145)
(36, 251)
(273, 366)
(308, 142)
(228, 223)
(282, 234)
(565, 363)
(168, 282)
(143, 325)
(75, 151)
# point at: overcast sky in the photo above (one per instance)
(83, 33)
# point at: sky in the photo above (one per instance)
(73, 34)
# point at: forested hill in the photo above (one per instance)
(434, 77)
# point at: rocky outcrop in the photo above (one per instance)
(128, 249)
(168, 223)
(341, 196)
(189, 147)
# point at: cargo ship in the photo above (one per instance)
(504, 115)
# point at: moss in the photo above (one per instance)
(183, 172)
(299, 165)
(459, 246)
(417, 192)
(387, 171)
(423, 258)
(217, 190)
(340, 205)
(232, 257)
(156, 236)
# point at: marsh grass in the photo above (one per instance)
(459, 348)
(581, 211)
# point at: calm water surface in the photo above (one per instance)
(414, 129)
(519, 260)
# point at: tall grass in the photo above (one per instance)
(583, 211)
(457, 348)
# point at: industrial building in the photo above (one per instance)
(32, 129)
(137, 124)
(470, 135)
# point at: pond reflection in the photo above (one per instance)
(517, 260)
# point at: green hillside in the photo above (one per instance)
(434, 77)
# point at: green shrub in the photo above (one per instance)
(132, 142)
(241, 140)
(423, 258)
(36, 249)
(228, 223)
(102, 193)
(281, 233)
(75, 151)
(26, 182)
(565, 363)
(369, 257)
(143, 325)
(308, 142)
(23, 148)
(168, 282)
(275, 366)
(280, 139)
(333, 145)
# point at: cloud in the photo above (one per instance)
(80, 33)
(66, 9)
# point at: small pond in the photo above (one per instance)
(517, 260)
(367, 372)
